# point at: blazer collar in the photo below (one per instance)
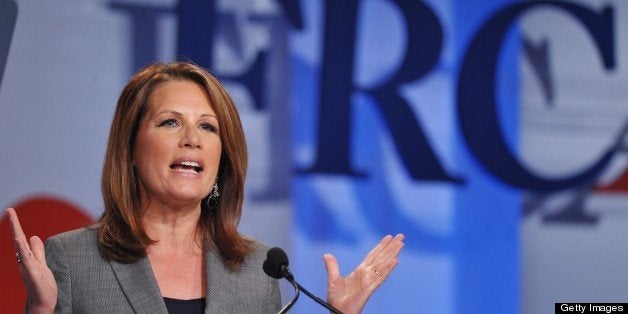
(140, 286)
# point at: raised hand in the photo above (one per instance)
(38, 279)
(349, 294)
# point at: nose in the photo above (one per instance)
(190, 138)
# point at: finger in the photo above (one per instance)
(383, 271)
(19, 240)
(388, 248)
(37, 246)
(370, 257)
(387, 260)
(25, 251)
(399, 238)
(14, 222)
(393, 248)
(22, 248)
(388, 267)
(385, 264)
(331, 265)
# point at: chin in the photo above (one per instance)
(189, 196)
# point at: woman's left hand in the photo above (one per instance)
(349, 294)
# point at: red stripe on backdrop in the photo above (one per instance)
(43, 216)
(618, 186)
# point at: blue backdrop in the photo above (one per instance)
(491, 133)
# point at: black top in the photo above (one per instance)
(176, 306)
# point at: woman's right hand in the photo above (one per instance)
(40, 283)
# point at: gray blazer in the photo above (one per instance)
(88, 283)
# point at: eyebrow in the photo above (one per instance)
(180, 114)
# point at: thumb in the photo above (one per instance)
(37, 246)
(331, 264)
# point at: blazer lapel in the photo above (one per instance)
(220, 295)
(140, 286)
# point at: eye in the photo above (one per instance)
(209, 127)
(169, 123)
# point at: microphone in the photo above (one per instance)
(276, 266)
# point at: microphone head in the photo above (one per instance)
(275, 263)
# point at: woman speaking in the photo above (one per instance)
(167, 241)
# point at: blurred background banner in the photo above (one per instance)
(493, 134)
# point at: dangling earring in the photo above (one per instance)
(214, 196)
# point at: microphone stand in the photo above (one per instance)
(319, 301)
(294, 300)
(288, 275)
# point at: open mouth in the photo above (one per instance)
(187, 165)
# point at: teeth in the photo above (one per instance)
(191, 164)
(196, 166)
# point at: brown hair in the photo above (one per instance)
(121, 235)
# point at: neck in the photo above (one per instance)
(174, 230)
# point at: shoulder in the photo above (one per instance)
(257, 254)
(78, 235)
(251, 264)
(83, 239)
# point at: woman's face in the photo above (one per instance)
(177, 150)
